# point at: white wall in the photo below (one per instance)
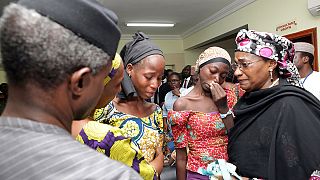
(2, 76)
(261, 15)
(172, 49)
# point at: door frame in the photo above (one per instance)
(312, 32)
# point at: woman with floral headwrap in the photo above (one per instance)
(276, 134)
(200, 119)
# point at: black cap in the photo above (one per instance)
(86, 18)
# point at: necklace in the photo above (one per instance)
(274, 83)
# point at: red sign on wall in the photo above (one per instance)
(286, 26)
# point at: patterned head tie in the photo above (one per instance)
(211, 55)
(115, 66)
(273, 47)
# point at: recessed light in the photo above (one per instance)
(151, 24)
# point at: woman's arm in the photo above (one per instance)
(158, 160)
(181, 163)
(228, 121)
(157, 163)
(165, 125)
(181, 153)
(164, 116)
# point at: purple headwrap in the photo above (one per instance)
(270, 46)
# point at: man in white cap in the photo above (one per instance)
(303, 59)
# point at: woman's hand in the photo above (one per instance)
(176, 91)
(157, 162)
(219, 97)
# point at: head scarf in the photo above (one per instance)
(211, 55)
(115, 66)
(270, 46)
(132, 53)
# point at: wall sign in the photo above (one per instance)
(286, 26)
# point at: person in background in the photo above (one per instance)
(166, 74)
(201, 119)
(186, 76)
(3, 96)
(303, 59)
(174, 80)
(140, 120)
(194, 77)
(276, 126)
(193, 81)
(55, 70)
(164, 88)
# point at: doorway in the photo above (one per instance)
(309, 36)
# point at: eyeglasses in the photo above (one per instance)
(241, 65)
(174, 81)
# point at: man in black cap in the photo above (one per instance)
(56, 54)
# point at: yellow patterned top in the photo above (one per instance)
(146, 132)
(111, 142)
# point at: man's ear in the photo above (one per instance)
(305, 60)
(79, 80)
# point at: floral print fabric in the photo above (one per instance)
(204, 134)
(146, 132)
(110, 141)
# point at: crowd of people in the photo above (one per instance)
(73, 108)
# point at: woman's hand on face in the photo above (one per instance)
(176, 91)
(219, 97)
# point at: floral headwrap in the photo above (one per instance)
(212, 54)
(115, 66)
(270, 46)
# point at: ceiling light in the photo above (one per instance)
(151, 24)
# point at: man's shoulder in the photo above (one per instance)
(51, 155)
(45, 151)
(312, 80)
(316, 74)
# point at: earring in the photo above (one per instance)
(271, 77)
(129, 76)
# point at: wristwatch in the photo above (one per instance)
(226, 114)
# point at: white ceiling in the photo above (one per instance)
(189, 16)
